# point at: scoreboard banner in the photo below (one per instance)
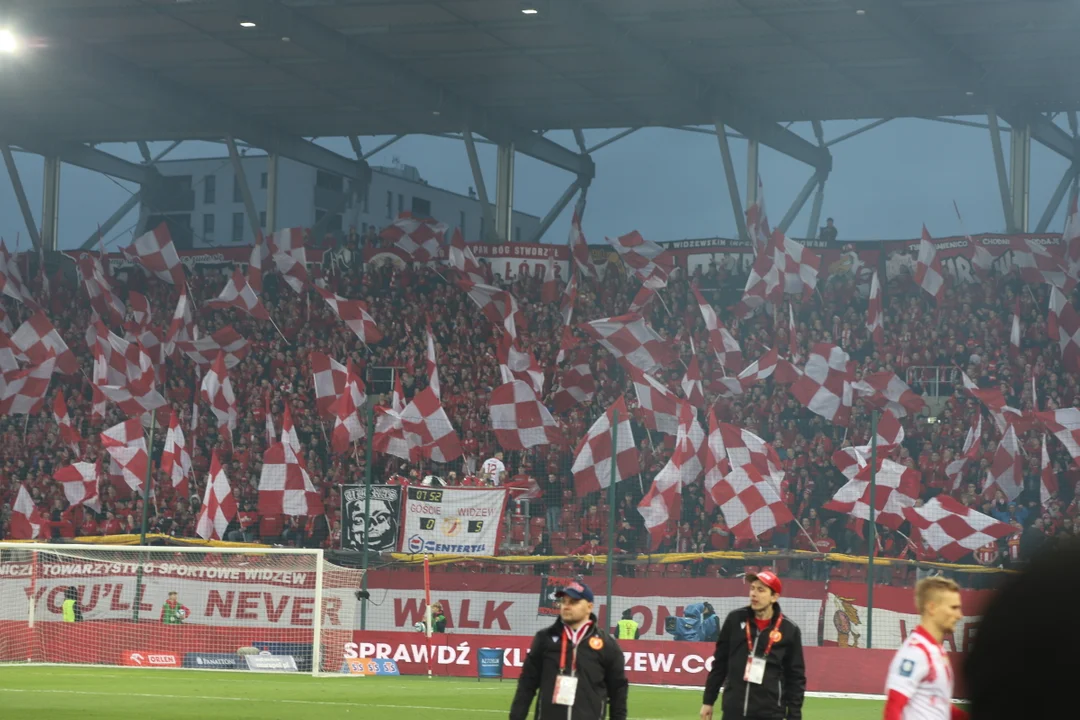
(452, 521)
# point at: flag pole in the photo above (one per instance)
(611, 513)
(147, 485)
(871, 533)
(277, 328)
(367, 517)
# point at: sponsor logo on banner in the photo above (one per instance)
(385, 513)
(270, 663)
(452, 521)
(142, 658)
(212, 661)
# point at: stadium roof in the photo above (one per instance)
(121, 70)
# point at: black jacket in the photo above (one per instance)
(601, 679)
(780, 695)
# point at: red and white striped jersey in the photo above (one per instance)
(921, 673)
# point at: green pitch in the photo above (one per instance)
(108, 693)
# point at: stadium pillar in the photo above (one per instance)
(800, 201)
(553, 213)
(367, 513)
(20, 195)
(611, 518)
(50, 202)
(1020, 171)
(271, 192)
(732, 183)
(1002, 175)
(752, 148)
(245, 189)
(871, 534)
(487, 229)
(819, 195)
(1055, 200)
(504, 193)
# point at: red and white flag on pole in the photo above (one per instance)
(285, 487)
(954, 530)
(176, 458)
(972, 444)
(633, 343)
(659, 406)
(26, 521)
(181, 328)
(36, 337)
(1065, 426)
(663, 502)
(825, 386)
(549, 291)
(68, 433)
(1048, 484)
(11, 282)
(353, 313)
(577, 385)
(290, 257)
(516, 364)
(461, 258)
(330, 379)
(994, 400)
(81, 482)
(103, 299)
(579, 249)
(268, 415)
(566, 309)
(498, 306)
(1014, 332)
(260, 252)
(757, 221)
(8, 361)
(432, 363)
(646, 260)
(748, 493)
(896, 487)
(390, 435)
(594, 454)
(793, 338)
(126, 445)
(428, 429)
(519, 419)
(23, 392)
(218, 505)
(721, 342)
(691, 384)
(875, 318)
(761, 369)
(929, 274)
(238, 294)
(288, 431)
(416, 237)
(1006, 471)
(217, 392)
(1063, 325)
(347, 426)
(205, 350)
(885, 391)
(141, 314)
(1070, 238)
(1036, 265)
(157, 254)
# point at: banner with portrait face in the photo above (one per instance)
(384, 512)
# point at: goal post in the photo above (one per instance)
(216, 608)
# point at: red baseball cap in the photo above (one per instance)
(767, 578)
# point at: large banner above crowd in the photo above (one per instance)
(452, 521)
(384, 511)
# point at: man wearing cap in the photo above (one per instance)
(576, 667)
(758, 659)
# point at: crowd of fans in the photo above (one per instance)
(925, 343)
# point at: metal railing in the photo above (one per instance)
(933, 380)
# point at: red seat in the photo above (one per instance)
(538, 524)
(568, 496)
(517, 533)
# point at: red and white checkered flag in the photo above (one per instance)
(721, 342)
(126, 445)
(141, 314)
(793, 336)
(659, 406)
(549, 291)
(26, 521)
(268, 418)
(994, 401)
(218, 505)
(519, 419)
(745, 448)
(664, 499)
(217, 392)
(757, 221)
(646, 260)
(797, 266)
(260, 253)
(290, 257)
(461, 258)
(429, 430)
(1048, 483)
(418, 238)
(288, 431)
(516, 364)
(875, 318)
(81, 483)
(22, 392)
(761, 369)
(1064, 424)
(329, 380)
(225, 341)
(432, 363)
(390, 437)
(750, 502)
(896, 488)
(11, 282)
(347, 426)
(37, 336)
(579, 249)
(353, 313)
(825, 387)
(566, 309)
(594, 456)
(103, 298)
(953, 530)
(8, 361)
(972, 443)
(182, 327)
(156, 253)
(285, 488)
(633, 343)
(763, 284)
(176, 458)
(238, 294)
(1063, 325)
(929, 274)
(691, 384)
(577, 385)
(498, 306)
(67, 430)
(1014, 330)
(885, 391)
(716, 464)
(1006, 471)
(1036, 265)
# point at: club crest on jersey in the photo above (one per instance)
(907, 667)
(775, 636)
(596, 643)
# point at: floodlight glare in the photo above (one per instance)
(9, 43)
(246, 24)
(529, 11)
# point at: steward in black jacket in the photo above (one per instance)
(601, 679)
(778, 692)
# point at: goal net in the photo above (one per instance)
(209, 608)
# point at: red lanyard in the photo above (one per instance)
(573, 655)
(773, 636)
